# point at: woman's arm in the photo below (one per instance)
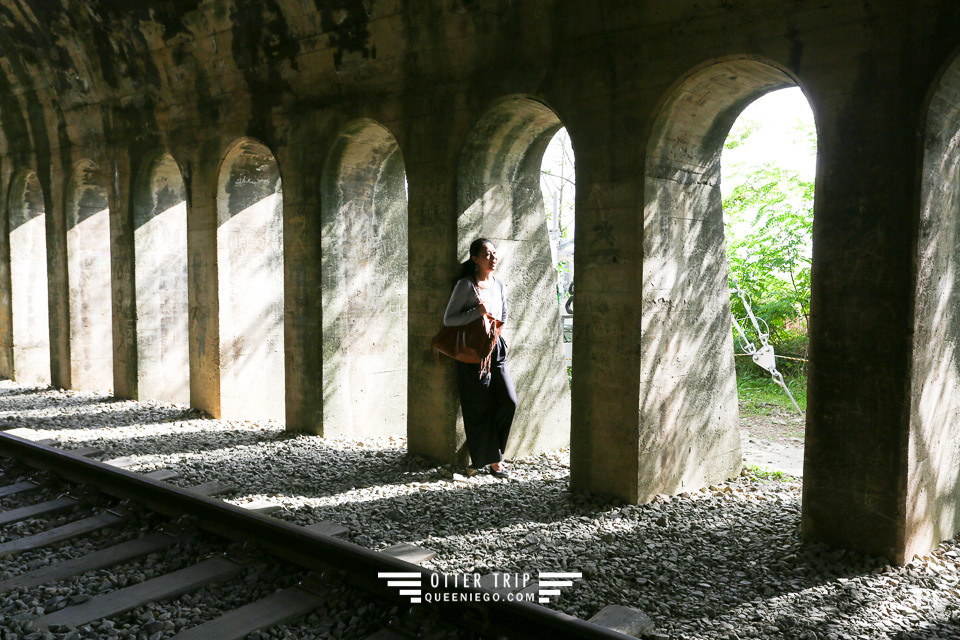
(462, 308)
(503, 298)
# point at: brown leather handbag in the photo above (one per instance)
(472, 342)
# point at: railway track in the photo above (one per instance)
(65, 518)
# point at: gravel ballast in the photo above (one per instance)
(725, 562)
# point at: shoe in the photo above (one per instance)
(470, 472)
(502, 473)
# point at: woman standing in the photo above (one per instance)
(489, 401)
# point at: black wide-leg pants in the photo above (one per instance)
(488, 406)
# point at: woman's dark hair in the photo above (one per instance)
(469, 268)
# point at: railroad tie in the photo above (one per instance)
(264, 507)
(86, 452)
(280, 607)
(162, 475)
(328, 528)
(117, 554)
(165, 587)
(409, 553)
(18, 487)
(123, 462)
(626, 620)
(212, 488)
(49, 507)
(61, 533)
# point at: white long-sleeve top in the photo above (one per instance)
(463, 306)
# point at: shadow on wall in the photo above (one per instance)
(689, 433)
(933, 463)
(250, 283)
(160, 272)
(29, 325)
(364, 277)
(90, 279)
(500, 198)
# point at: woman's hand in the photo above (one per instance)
(481, 308)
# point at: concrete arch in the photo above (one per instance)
(89, 277)
(689, 431)
(160, 274)
(499, 198)
(364, 284)
(932, 463)
(29, 310)
(250, 282)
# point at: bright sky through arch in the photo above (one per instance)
(785, 136)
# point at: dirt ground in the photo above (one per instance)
(771, 438)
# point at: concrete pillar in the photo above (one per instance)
(204, 316)
(28, 281)
(364, 284)
(500, 199)
(302, 338)
(117, 177)
(160, 297)
(933, 457)
(6, 286)
(604, 437)
(432, 403)
(858, 438)
(250, 283)
(58, 285)
(89, 276)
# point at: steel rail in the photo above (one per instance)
(335, 559)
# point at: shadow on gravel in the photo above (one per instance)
(95, 419)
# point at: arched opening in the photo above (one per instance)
(933, 482)
(769, 167)
(250, 283)
(364, 277)
(689, 431)
(558, 182)
(500, 198)
(160, 264)
(88, 268)
(28, 281)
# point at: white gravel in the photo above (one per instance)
(726, 562)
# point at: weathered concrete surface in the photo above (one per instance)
(250, 278)
(160, 249)
(689, 431)
(88, 266)
(500, 199)
(364, 283)
(93, 79)
(28, 282)
(932, 462)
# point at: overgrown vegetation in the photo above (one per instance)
(760, 473)
(768, 215)
(760, 395)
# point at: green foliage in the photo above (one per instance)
(760, 473)
(769, 225)
(760, 395)
(771, 259)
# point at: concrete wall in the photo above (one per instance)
(160, 249)
(250, 283)
(364, 285)
(689, 427)
(933, 459)
(28, 281)
(88, 268)
(500, 199)
(470, 92)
